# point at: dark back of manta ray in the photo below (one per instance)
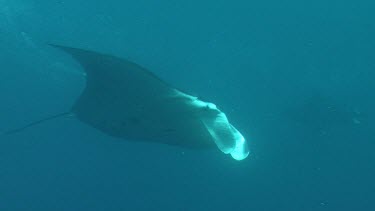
(124, 100)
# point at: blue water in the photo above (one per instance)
(296, 78)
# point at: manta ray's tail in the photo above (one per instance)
(20, 129)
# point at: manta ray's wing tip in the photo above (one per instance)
(61, 47)
(55, 45)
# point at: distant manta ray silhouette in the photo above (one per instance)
(124, 100)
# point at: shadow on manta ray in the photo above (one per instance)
(124, 100)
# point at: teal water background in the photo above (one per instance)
(295, 77)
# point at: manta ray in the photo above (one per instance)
(124, 100)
